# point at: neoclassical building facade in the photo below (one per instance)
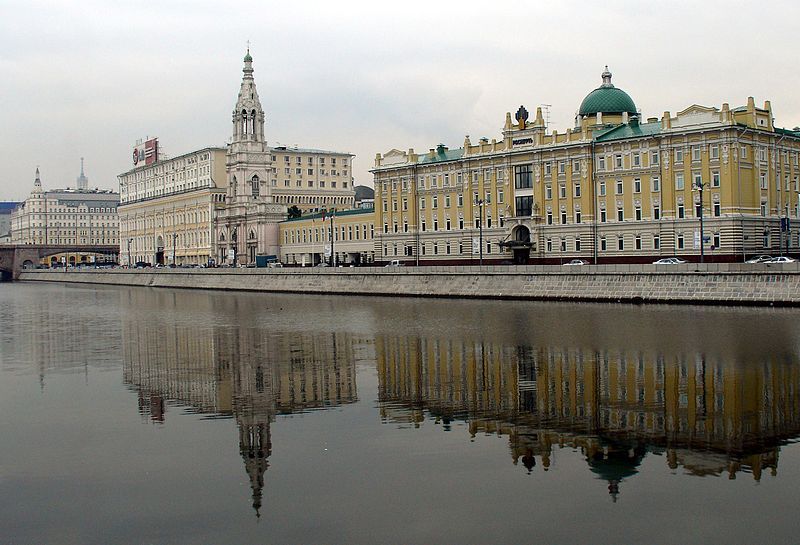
(615, 187)
(224, 205)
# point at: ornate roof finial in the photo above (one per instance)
(37, 182)
(247, 57)
(606, 75)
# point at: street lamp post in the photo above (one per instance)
(129, 252)
(174, 243)
(480, 228)
(699, 189)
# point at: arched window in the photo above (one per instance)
(244, 122)
(254, 185)
(253, 121)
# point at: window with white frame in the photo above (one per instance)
(715, 178)
(695, 153)
(679, 181)
(637, 185)
(655, 184)
(679, 155)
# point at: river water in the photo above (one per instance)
(139, 415)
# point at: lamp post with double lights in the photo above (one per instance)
(699, 186)
(129, 252)
(174, 243)
(480, 229)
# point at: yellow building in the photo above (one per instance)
(348, 235)
(615, 187)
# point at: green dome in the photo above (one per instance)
(607, 99)
(248, 58)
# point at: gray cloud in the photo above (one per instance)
(88, 79)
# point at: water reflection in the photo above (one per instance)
(705, 415)
(233, 370)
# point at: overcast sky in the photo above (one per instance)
(89, 78)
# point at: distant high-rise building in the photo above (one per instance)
(82, 180)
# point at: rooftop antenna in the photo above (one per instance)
(546, 109)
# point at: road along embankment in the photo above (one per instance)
(718, 284)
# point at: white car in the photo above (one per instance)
(394, 263)
(780, 259)
(576, 262)
(759, 259)
(669, 261)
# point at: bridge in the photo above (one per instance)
(15, 257)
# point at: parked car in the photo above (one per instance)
(394, 263)
(669, 261)
(780, 259)
(759, 259)
(577, 262)
(275, 265)
(322, 264)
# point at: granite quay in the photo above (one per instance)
(715, 284)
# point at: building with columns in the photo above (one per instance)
(616, 187)
(75, 217)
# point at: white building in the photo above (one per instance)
(264, 181)
(75, 217)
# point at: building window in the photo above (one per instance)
(563, 217)
(656, 184)
(656, 212)
(636, 159)
(764, 208)
(524, 206)
(577, 189)
(714, 152)
(654, 157)
(549, 217)
(548, 192)
(603, 216)
(602, 189)
(637, 185)
(601, 163)
(522, 177)
(562, 191)
(679, 181)
(638, 242)
(620, 243)
(619, 187)
(656, 242)
(681, 211)
(717, 239)
(603, 245)
(715, 179)
(549, 245)
(762, 178)
(618, 162)
(679, 156)
(578, 216)
(695, 153)
(638, 213)
(620, 214)
(717, 209)
(547, 169)
(577, 244)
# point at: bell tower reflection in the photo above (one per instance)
(238, 371)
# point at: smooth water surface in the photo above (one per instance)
(138, 415)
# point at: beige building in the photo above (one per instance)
(312, 179)
(167, 208)
(615, 187)
(74, 217)
(346, 235)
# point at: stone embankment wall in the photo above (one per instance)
(727, 284)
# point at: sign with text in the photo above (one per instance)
(145, 153)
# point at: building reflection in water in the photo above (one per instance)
(709, 417)
(235, 370)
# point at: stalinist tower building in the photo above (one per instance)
(248, 223)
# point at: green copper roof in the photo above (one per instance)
(630, 130)
(607, 99)
(247, 57)
(441, 154)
